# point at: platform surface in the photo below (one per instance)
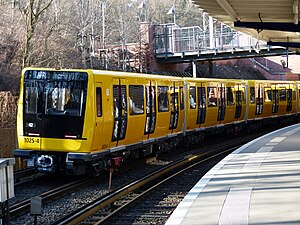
(259, 184)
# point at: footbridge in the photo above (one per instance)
(174, 44)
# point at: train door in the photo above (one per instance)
(259, 100)
(238, 100)
(201, 104)
(275, 103)
(120, 109)
(98, 117)
(150, 93)
(174, 90)
(222, 102)
(289, 93)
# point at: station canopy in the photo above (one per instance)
(274, 21)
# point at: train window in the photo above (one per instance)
(181, 95)
(268, 96)
(239, 97)
(230, 100)
(55, 93)
(31, 99)
(64, 98)
(99, 101)
(201, 114)
(120, 104)
(259, 95)
(283, 94)
(163, 100)
(201, 97)
(136, 99)
(243, 95)
(221, 97)
(174, 99)
(150, 99)
(212, 100)
(252, 95)
(289, 94)
(192, 98)
(120, 112)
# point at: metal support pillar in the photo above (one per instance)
(211, 33)
(194, 69)
(287, 57)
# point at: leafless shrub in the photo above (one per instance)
(8, 109)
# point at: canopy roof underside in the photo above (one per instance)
(281, 13)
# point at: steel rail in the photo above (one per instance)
(24, 206)
(23, 173)
(116, 212)
(93, 207)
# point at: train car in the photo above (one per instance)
(79, 120)
(83, 121)
(218, 103)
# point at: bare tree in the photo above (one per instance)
(61, 33)
(32, 13)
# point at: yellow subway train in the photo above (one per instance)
(81, 121)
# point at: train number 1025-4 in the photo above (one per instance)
(31, 140)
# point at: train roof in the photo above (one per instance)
(152, 76)
(128, 74)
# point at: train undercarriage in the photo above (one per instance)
(94, 164)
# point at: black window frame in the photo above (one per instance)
(282, 94)
(252, 95)
(209, 102)
(163, 97)
(192, 97)
(230, 96)
(268, 95)
(181, 98)
(140, 107)
(99, 108)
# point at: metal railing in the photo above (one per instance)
(171, 39)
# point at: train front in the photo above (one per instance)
(50, 118)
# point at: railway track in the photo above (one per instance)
(24, 206)
(22, 176)
(107, 208)
(23, 173)
(56, 210)
(155, 204)
(28, 179)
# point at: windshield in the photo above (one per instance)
(55, 93)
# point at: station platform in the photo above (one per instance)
(259, 184)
